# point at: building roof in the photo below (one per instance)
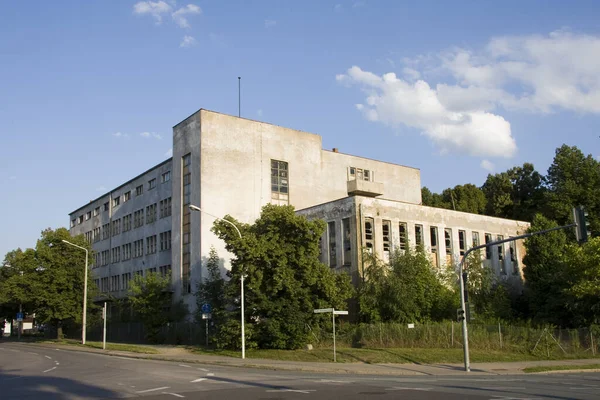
(123, 184)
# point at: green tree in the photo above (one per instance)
(488, 296)
(583, 268)
(467, 198)
(409, 289)
(212, 291)
(285, 281)
(573, 179)
(151, 299)
(517, 193)
(546, 278)
(433, 199)
(19, 287)
(60, 275)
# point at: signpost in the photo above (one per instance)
(206, 315)
(333, 312)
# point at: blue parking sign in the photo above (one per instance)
(206, 308)
(20, 316)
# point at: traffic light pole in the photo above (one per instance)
(462, 283)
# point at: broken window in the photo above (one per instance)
(476, 239)
(279, 182)
(332, 244)
(513, 257)
(433, 232)
(346, 234)
(386, 231)
(419, 235)
(402, 230)
(448, 238)
(360, 174)
(488, 250)
(461, 242)
(369, 235)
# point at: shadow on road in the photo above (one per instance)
(15, 387)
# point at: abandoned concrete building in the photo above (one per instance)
(230, 165)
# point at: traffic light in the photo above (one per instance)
(580, 216)
(460, 315)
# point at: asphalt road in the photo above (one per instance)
(33, 372)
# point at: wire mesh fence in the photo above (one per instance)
(543, 341)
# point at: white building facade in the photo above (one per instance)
(230, 165)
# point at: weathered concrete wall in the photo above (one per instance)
(186, 139)
(153, 196)
(411, 214)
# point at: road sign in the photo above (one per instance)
(323, 310)
(19, 317)
(338, 312)
(206, 308)
(206, 315)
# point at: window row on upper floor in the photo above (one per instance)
(131, 221)
(117, 200)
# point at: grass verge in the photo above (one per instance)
(378, 356)
(561, 368)
(109, 346)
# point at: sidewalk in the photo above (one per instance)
(184, 356)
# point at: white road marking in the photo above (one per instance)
(183, 365)
(14, 351)
(57, 349)
(48, 370)
(515, 398)
(307, 391)
(173, 394)
(57, 363)
(210, 374)
(203, 369)
(409, 388)
(332, 381)
(31, 352)
(198, 380)
(153, 390)
(48, 357)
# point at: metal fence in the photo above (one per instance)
(543, 341)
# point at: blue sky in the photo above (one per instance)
(90, 90)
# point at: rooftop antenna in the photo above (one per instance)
(239, 96)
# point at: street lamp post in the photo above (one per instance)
(84, 289)
(195, 208)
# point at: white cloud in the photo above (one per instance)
(259, 112)
(150, 134)
(169, 153)
(531, 73)
(559, 71)
(187, 41)
(159, 9)
(395, 102)
(411, 74)
(337, 8)
(119, 135)
(487, 165)
(155, 9)
(180, 18)
(269, 23)
(357, 4)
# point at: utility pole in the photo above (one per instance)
(580, 226)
